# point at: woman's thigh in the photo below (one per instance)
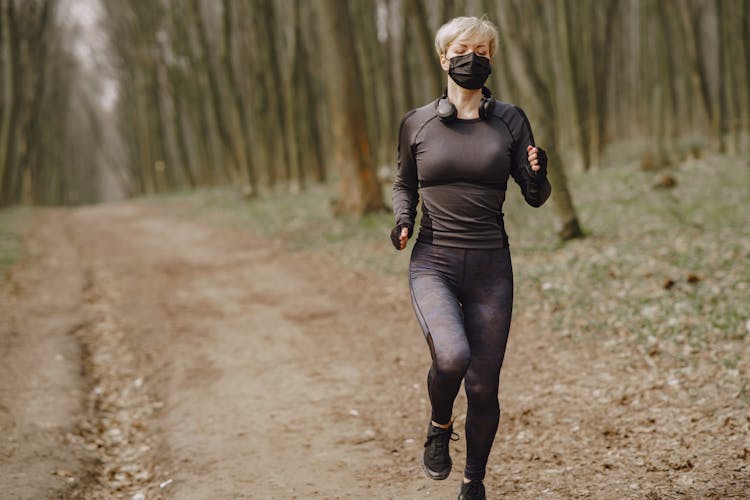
(488, 304)
(433, 274)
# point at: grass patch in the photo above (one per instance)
(11, 242)
(667, 268)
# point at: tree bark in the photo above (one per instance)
(746, 47)
(425, 38)
(602, 64)
(510, 19)
(359, 190)
(310, 95)
(576, 92)
(723, 118)
(691, 18)
(15, 92)
(31, 130)
(669, 107)
(206, 56)
(239, 106)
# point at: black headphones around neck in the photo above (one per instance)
(447, 112)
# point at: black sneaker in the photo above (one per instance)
(436, 459)
(473, 490)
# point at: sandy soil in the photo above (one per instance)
(148, 355)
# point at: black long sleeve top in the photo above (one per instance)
(461, 169)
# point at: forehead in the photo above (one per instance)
(472, 39)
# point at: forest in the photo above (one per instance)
(276, 95)
(199, 297)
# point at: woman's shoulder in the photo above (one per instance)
(507, 108)
(423, 112)
(415, 118)
(512, 114)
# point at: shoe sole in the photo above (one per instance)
(437, 476)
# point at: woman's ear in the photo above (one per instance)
(444, 62)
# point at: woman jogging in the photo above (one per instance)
(458, 153)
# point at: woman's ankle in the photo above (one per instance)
(442, 426)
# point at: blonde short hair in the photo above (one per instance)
(466, 27)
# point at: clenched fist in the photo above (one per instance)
(400, 236)
(537, 158)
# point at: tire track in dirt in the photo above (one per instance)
(117, 428)
(41, 385)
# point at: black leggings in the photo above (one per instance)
(463, 300)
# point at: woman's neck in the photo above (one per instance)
(466, 101)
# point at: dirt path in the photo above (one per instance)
(41, 385)
(200, 361)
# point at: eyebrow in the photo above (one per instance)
(464, 43)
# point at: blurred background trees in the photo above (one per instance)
(50, 136)
(273, 95)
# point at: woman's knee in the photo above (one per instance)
(482, 395)
(453, 363)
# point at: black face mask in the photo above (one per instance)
(469, 71)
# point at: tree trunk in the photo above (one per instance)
(403, 51)
(510, 20)
(180, 135)
(691, 18)
(426, 41)
(669, 107)
(360, 191)
(15, 92)
(206, 56)
(309, 98)
(746, 47)
(144, 134)
(31, 130)
(602, 63)
(575, 86)
(729, 41)
(194, 90)
(273, 80)
(239, 106)
(723, 118)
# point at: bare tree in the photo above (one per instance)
(360, 191)
(515, 25)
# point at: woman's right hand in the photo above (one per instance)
(399, 237)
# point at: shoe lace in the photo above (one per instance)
(473, 488)
(441, 439)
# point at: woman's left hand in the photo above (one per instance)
(537, 157)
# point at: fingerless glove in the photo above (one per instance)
(541, 156)
(396, 234)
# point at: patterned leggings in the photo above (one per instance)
(463, 300)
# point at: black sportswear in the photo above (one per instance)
(463, 300)
(461, 169)
(460, 273)
(473, 490)
(437, 459)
